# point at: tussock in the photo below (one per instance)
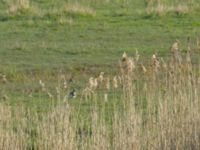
(162, 9)
(76, 8)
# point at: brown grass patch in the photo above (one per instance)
(162, 9)
(76, 8)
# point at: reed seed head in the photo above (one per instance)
(175, 47)
(155, 63)
(93, 83)
(124, 57)
(101, 77)
(115, 82)
(131, 64)
(42, 86)
(144, 69)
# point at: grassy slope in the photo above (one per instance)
(40, 46)
(44, 43)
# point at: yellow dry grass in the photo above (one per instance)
(77, 8)
(159, 108)
(162, 9)
(18, 6)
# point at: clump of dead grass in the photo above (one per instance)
(79, 9)
(22, 7)
(163, 9)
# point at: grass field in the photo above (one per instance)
(141, 101)
(45, 35)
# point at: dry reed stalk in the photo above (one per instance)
(115, 82)
(101, 77)
(56, 131)
(165, 115)
(10, 137)
(107, 83)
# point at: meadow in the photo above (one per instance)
(134, 65)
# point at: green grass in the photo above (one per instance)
(46, 41)
(35, 45)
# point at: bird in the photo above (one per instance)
(70, 95)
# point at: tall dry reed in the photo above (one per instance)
(144, 106)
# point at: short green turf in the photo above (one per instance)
(34, 47)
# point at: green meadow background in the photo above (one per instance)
(41, 39)
(148, 99)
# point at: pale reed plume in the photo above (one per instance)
(108, 83)
(144, 69)
(93, 83)
(130, 65)
(137, 56)
(65, 84)
(119, 78)
(115, 82)
(155, 63)
(124, 57)
(42, 86)
(175, 51)
(101, 77)
(175, 47)
(63, 78)
(87, 93)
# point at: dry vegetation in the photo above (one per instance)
(160, 7)
(78, 9)
(26, 7)
(12, 129)
(19, 6)
(155, 106)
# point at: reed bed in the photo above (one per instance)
(143, 106)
